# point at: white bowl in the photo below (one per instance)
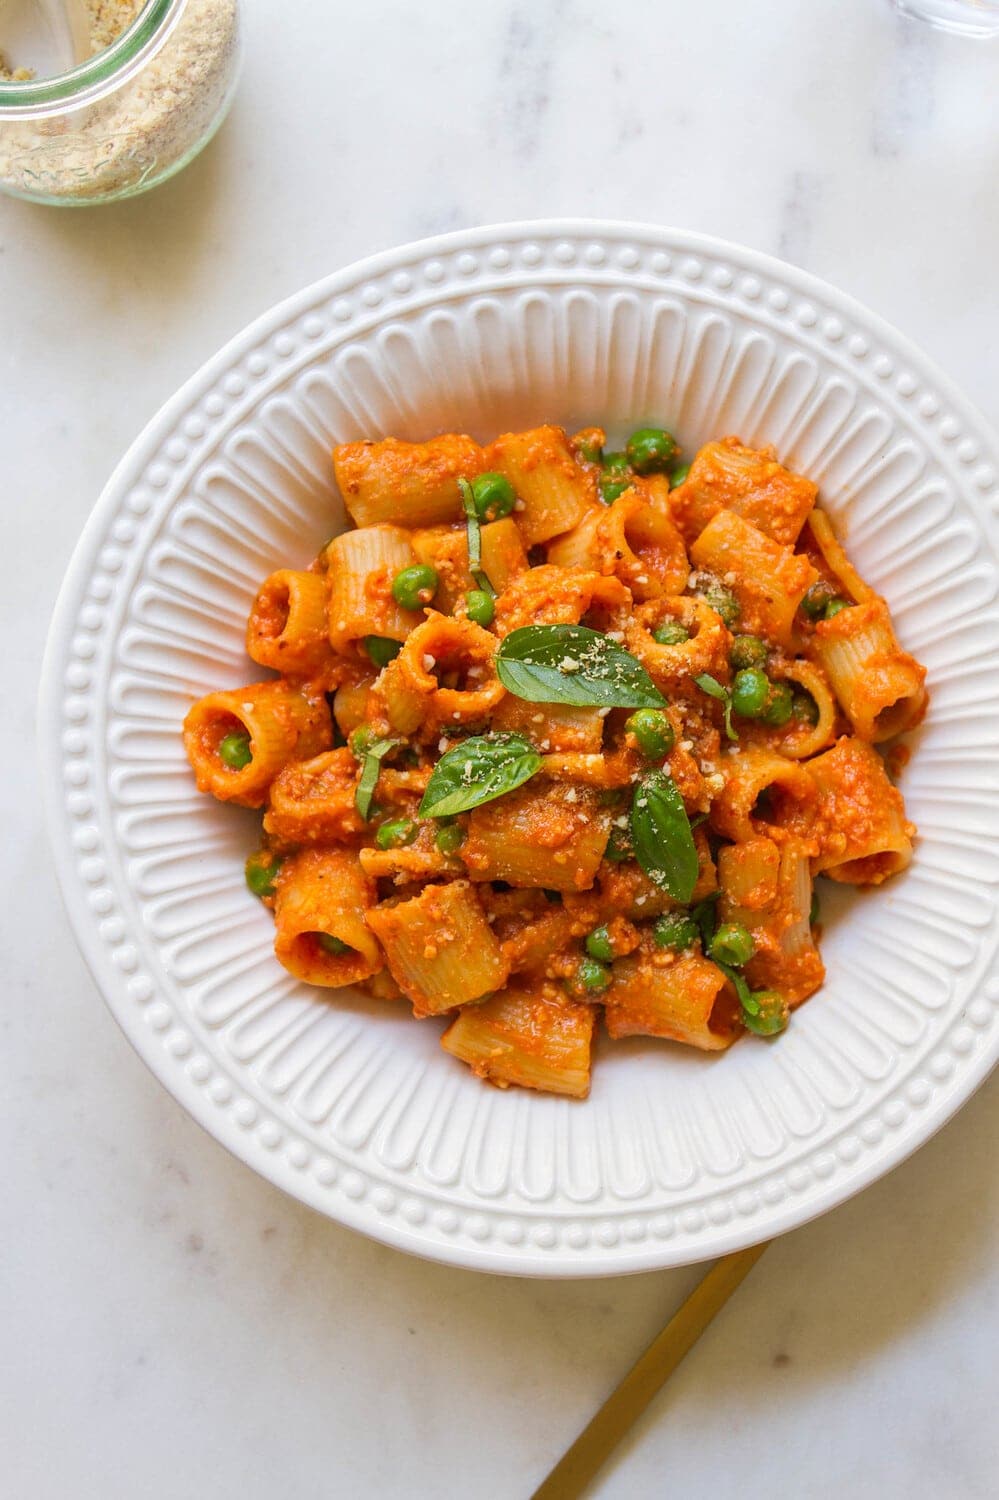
(350, 1105)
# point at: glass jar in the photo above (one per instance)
(127, 118)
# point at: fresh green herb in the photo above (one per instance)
(476, 771)
(706, 917)
(675, 930)
(479, 606)
(732, 944)
(396, 832)
(374, 753)
(234, 750)
(381, 649)
(493, 496)
(261, 870)
(660, 832)
(619, 846)
(474, 539)
(572, 664)
(714, 689)
(414, 587)
(651, 450)
(598, 945)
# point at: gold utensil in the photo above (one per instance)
(648, 1374)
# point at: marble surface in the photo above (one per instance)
(172, 1324)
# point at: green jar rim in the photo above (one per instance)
(79, 84)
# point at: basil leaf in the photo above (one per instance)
(474, 539)
(476, 771)
(571, 664)
(706, 917)
(714, 689)
(747, 1000)
(373, 757)
(660, 832)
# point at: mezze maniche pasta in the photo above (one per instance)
(559, 731)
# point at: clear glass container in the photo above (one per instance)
(127, 118)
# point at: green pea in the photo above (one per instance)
(615, 463)
(598, 945)
(679, 475)
(747, 651)
(395, 832)
(771, 1016)
(381, 649)
(592, 975)
(261, 870)
(732, 944)
(612, 489)
(651, 449)
(234, 750)
(591, 453)
(834, 606)
(619, 846)
(480, 608)
(805, 708)
(450, 837)
(674, 929)
(493, 495)
(750, 692)
(653, 732)
(671, 633)
(816, 598)
(779, 705)
(723, 602)
(416, 586)
(331, 944)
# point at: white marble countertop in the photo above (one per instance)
(171, 1324)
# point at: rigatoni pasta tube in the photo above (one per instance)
(551, 726)
(412, 483)
(440, 948)
(550, 835)
(863, 834)
(686, 999)
(527, 1036)
(321, 936)
(362, 565)
(288, 628)
(281, 723)
(762, 792)
(767, 888)
(445, 548)
(672, 667)
(633, 540)
(443, 677)
(748, 481)
(879, 685)
(768, 580)
(553, 488)
(801, 738)
(554, 596)
(312, 801)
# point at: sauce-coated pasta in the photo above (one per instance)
(559, 731)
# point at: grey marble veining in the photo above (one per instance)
(172, 1325)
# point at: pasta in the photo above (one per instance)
(561, 732)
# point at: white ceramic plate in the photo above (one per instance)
(351, 1106)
